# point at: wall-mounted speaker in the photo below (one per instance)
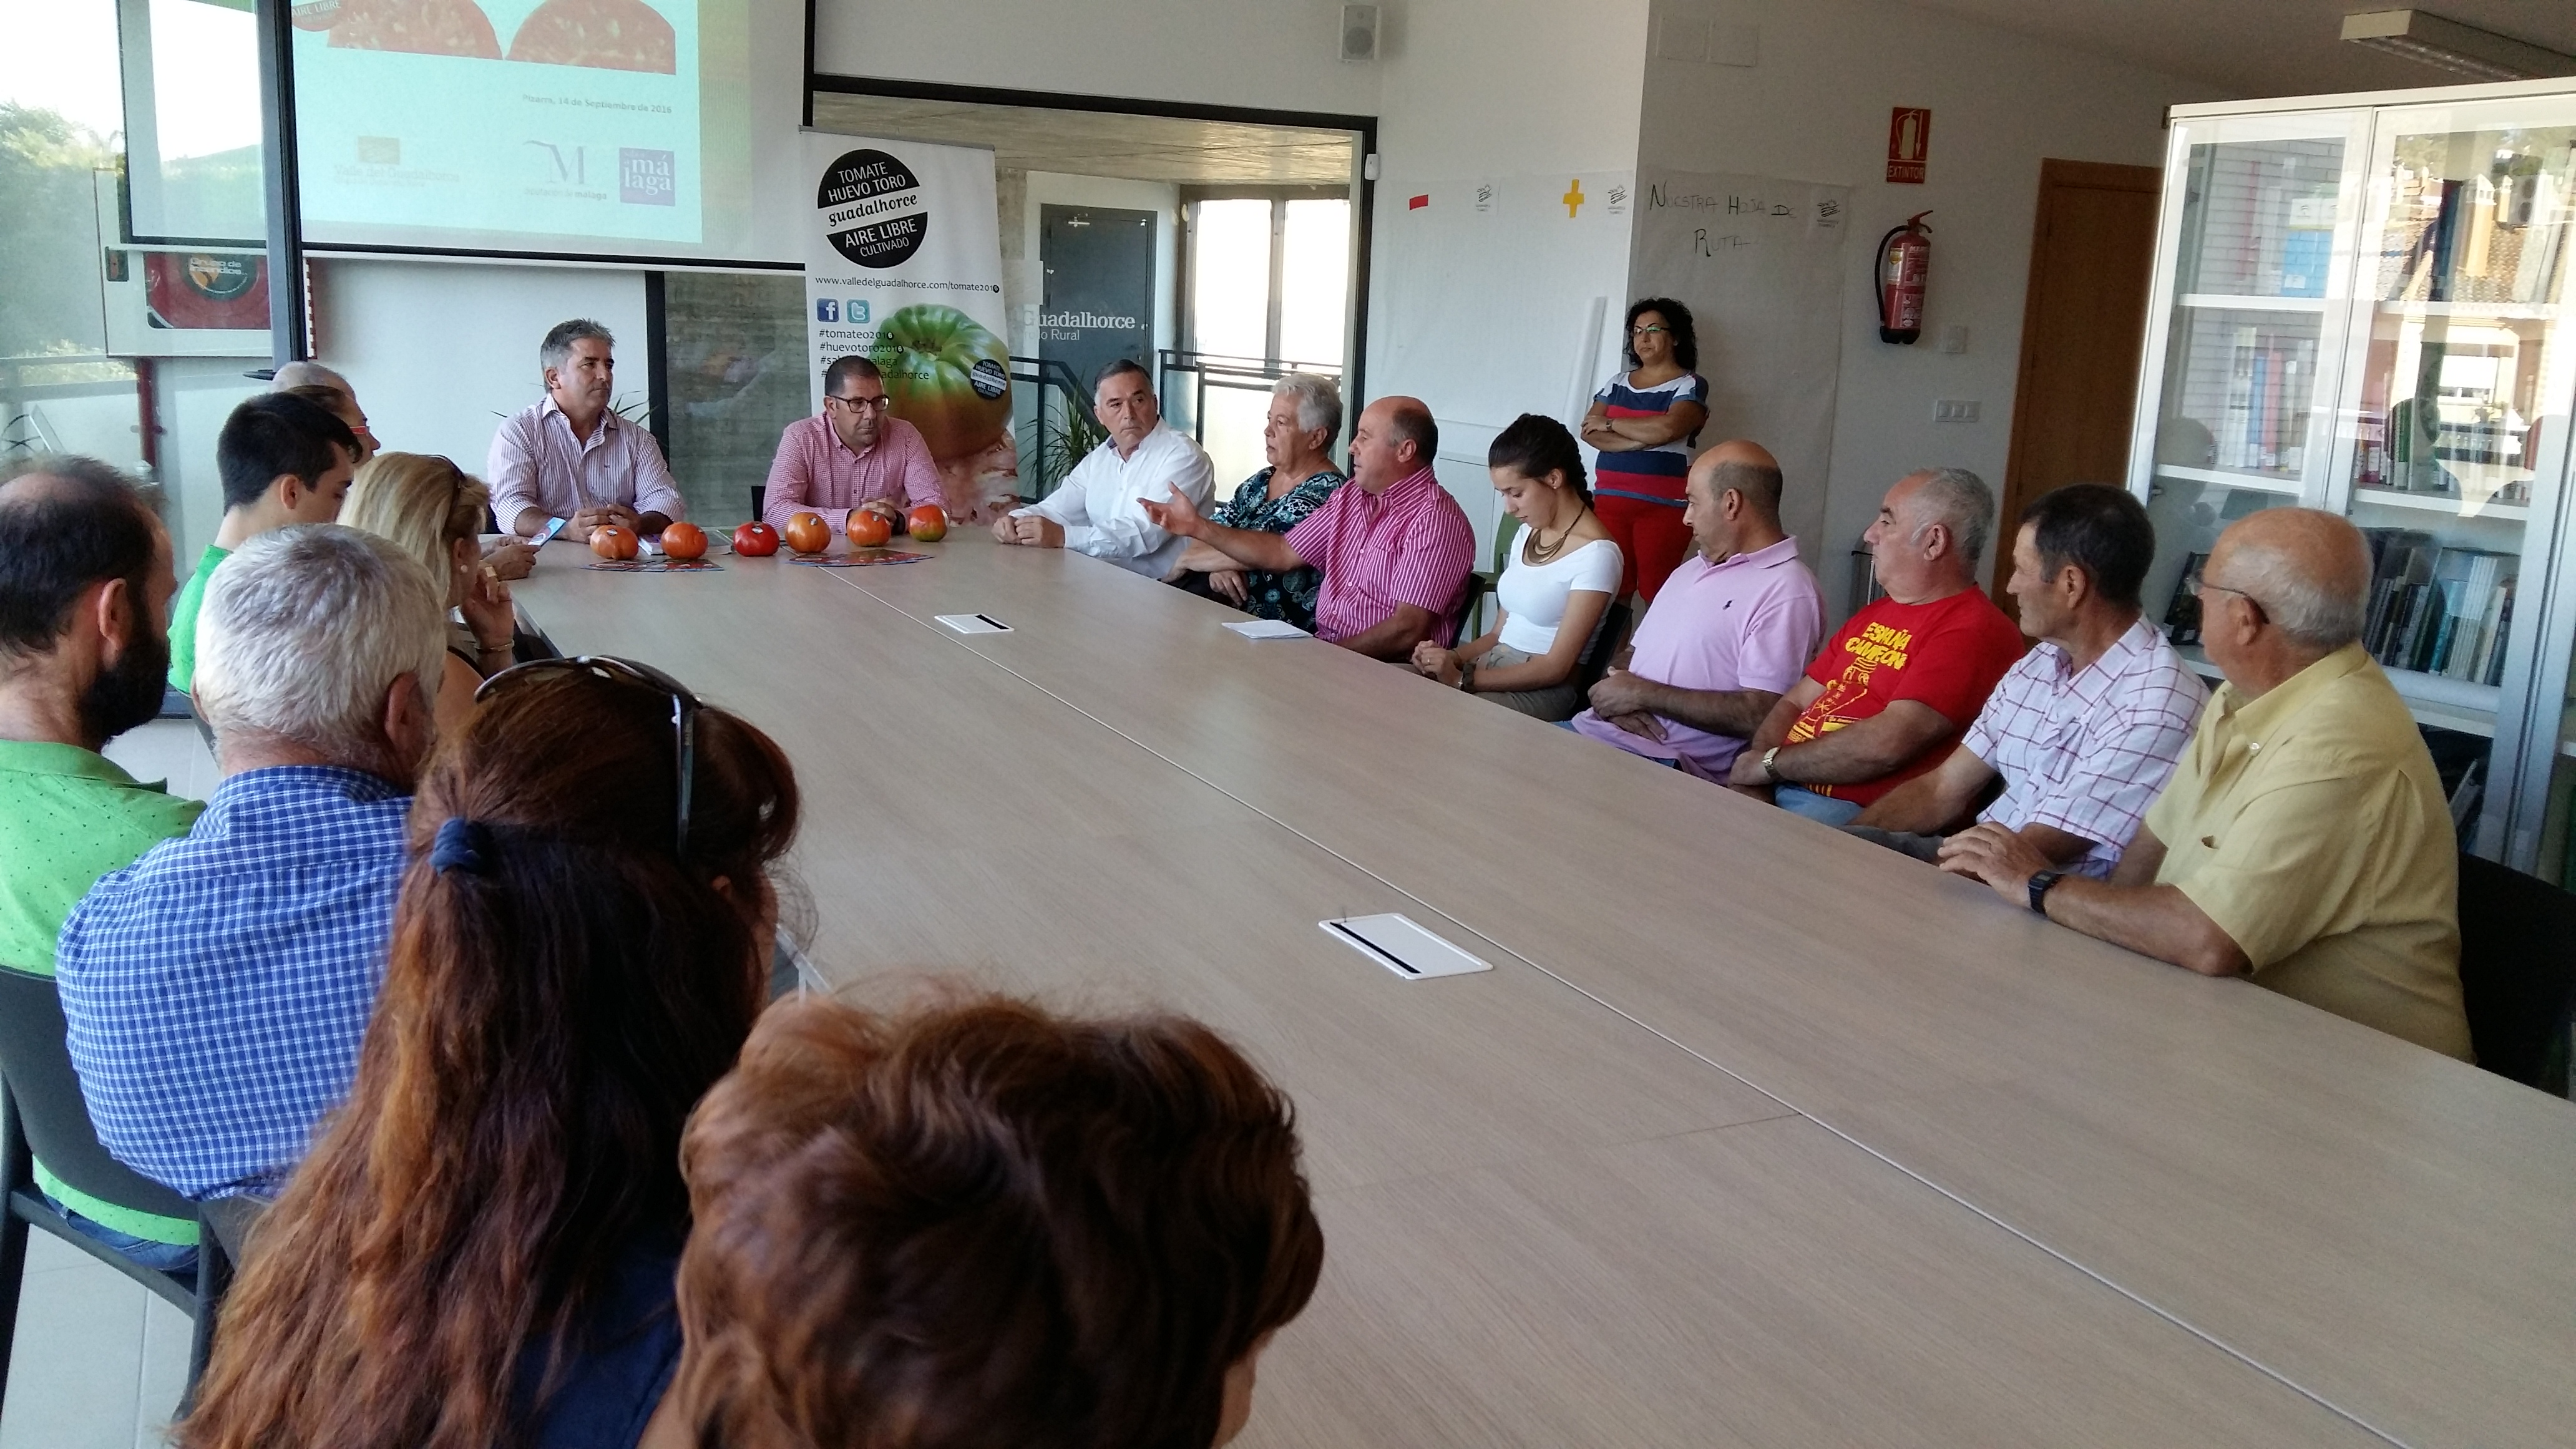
(1359, 32)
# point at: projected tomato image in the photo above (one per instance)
(948, 376)
(605, 34)
(422, 27)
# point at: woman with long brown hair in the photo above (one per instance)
(979, 1223)
(479, 1250)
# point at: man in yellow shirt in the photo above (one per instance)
(2304, 839)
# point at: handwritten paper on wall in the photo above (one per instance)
(1759, 262)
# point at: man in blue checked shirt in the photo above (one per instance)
(216, 990)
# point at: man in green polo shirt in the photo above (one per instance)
(283, 461)
(85, 584)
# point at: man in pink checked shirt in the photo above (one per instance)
(853, 454)
(1395, 549)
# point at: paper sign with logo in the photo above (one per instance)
(903, 265)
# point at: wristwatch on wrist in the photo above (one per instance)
(1467, 677)
(2039, 885)
(1770, 767)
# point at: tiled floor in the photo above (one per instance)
(98, 1363)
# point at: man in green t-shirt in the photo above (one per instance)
(85, 587)
(283, 460)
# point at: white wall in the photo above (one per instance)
(1815, 108)
(1488, 321)
(1278, 54)
(440, 352)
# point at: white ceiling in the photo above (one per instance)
(2252, 48)
(1090, 143)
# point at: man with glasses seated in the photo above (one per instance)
(853, 454)
(216, 990)
(2304, 840)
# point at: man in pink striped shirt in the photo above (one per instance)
(854, 454)
(1395, 549)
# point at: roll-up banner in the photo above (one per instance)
(903, 265)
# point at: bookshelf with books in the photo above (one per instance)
(2371, 309)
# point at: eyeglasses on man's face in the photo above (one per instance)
(876, 404)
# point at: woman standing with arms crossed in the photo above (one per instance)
(1644, 421)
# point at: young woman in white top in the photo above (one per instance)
(1555, 589)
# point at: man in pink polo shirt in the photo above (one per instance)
(1394, 548)
(853, 454)
(1728, 632)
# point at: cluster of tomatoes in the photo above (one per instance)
(806, 533)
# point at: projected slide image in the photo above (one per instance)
(609, 34)
(570, 119)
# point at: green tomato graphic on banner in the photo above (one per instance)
(948, 376)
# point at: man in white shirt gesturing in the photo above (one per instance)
(1098, 509)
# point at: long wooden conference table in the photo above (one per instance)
(1755, 1134)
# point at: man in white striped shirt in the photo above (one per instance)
(2086, 728)
(1100, 509)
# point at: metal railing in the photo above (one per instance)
(1201, 371)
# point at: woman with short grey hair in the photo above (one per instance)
(1297, 438)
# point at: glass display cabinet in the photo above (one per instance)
(2367, 304)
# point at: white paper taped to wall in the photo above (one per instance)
(1759, 261)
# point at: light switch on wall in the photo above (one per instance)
(1954, 410)
(1954, 338)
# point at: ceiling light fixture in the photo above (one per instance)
(2448, 45)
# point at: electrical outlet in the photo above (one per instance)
(1954, 410)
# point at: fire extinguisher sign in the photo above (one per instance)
(1909, 143)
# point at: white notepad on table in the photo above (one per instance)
(1269, 629)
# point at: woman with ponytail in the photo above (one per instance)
(479, 1250)
(1554, 590)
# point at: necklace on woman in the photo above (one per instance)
(1541, 551)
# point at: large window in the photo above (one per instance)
(122, 336)
(1269, 292)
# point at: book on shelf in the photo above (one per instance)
(2436, 610)
(2237, 422)
(2182, 614)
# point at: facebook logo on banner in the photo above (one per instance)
(826, 310)
(645, 177)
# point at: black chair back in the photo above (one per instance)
(47, 1093)
(43, 1117)
(1462, 610)
(2517, 971)
(1607, 636)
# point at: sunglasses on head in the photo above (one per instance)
(684, 709)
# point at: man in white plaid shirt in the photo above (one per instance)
(2085, 729)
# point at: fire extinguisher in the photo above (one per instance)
(1904, 261)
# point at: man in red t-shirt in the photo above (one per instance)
(1894, 690)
